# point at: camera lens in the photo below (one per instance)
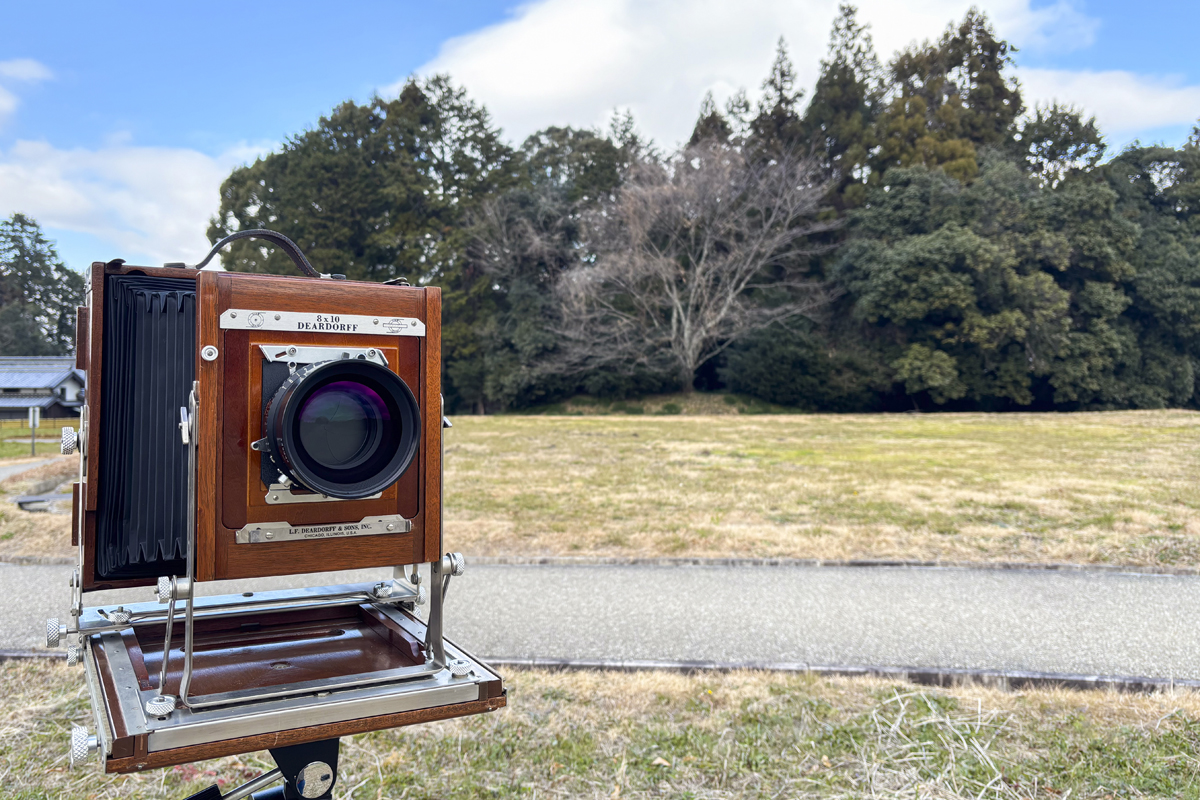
(342, 424)
(346, 428)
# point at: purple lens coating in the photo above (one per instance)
(340, 423)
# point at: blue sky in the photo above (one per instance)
(118, 121)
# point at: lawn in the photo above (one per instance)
(744, 734)
(1117, 488)
(1102, 488)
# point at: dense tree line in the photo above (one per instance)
(911, 235)
(38, 293)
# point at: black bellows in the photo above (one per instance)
(148, 368)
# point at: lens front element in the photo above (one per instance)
(346, 428)
(342, 424)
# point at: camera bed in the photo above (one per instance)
(374, 652)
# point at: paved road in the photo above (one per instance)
(8, 470)
(1065, 622)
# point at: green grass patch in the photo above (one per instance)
(643, 735)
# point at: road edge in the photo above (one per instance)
(1004, 680)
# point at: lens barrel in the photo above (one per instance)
(346, 428)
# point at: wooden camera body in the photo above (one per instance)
(242, 426)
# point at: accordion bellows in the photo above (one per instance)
(148, 365)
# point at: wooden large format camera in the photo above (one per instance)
(242, 426)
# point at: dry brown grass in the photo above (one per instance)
(26, 535)
(1115, 488)
(744, 734)
(1096, 488)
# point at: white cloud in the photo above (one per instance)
(145, 201)
(25, 69)
(574, 61)
(18, 70)
(1123, 102)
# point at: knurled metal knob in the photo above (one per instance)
(55, 630)
(160, 705)
(458, 564)
(70, 440)
(459, 667)
(422, 596)
(72, 655)
(120, 615)
(163, 590)
(82, 745)
(314, 779)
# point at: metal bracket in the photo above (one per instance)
(296, 354)
(281, 495)
(262, 532)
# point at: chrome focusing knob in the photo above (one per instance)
(72, 655)
(120, 615)
(55, 631)
(70, 440)
(459, 667)
(82, 745)
(163, 590)
(160, 705)
(458, 564)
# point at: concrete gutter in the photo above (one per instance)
(922, 676)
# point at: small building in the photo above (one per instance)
(50, 383)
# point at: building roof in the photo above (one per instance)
(34, 401)
(28, 372)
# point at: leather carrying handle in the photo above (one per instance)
(287, 245)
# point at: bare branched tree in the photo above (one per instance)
(690, 256)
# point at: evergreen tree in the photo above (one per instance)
(38, 294)
(841, 117)
(777, 127)
(1056, 141)
(949, 99)
(711, 124)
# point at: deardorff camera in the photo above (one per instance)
(318, 424)
(241, 426)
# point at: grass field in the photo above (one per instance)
(1115, 488)
(610, 735)
(1104, 488)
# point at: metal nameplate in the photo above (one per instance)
(248, 319)
(262, 532)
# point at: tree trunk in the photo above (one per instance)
(687, 377)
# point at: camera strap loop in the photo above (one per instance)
(286, 244)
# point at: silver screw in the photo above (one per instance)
(375, 321)
(233, 315)
(391, 526)
(277, 316)
(371, 353)
(269, 535)
(209, 353)
(291, 351)
(274, 497)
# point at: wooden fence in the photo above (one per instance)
(47, 425)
